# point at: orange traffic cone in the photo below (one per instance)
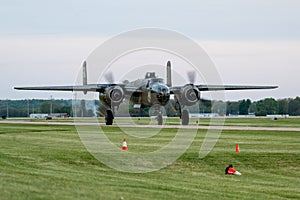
(237, 148)
(124, 145)
(233, 171)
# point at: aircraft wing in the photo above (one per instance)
(89, 87)
(232, 87)
(177, 89)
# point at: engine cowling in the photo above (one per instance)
(113, 95)
(190, 95)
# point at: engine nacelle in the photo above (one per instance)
(113, 96)
(189, 95)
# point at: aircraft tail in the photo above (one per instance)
(169, 77)
(84, 75)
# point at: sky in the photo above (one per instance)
(251, 41)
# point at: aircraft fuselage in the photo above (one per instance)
(155, 91)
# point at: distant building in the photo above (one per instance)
(38, 115)
(274, 117)
(203, 115)
(59, 115)
(53, 115)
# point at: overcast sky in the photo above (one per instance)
(250, 41)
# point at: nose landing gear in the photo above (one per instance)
(159, 119)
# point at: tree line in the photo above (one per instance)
(268, 106)
(23, 108)
(89, 108)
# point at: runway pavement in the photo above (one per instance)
(156, 126)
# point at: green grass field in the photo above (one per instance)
(50, 162)
(251, 122)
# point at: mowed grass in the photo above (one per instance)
(50, 162)
(264, 122)
(251, 122)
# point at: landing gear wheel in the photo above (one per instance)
(185, 117)
(109, 117)
(159, 119)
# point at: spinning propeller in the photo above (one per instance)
(109, 77)
(191, 76)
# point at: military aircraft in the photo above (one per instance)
(148, 92)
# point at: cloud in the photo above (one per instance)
(52, 60)
(231, 19)
(258, 62)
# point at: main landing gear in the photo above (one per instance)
(184, 114)
(185, 118)
(109, 118)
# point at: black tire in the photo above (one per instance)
(185, 118)
(109, 117)
(159, 119)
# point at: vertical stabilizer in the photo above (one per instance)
(84, 75)
(169, 77)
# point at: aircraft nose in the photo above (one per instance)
(164, 90)
(163, 95)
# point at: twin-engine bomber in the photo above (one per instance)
(148, 92)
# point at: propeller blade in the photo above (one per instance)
(109, 77)
(191, 76)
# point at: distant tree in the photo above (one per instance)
(244, 107)
(252, 108)
(20, 108)
(66, 109)
(205, 106)
(83, 108)
(268, 106)
(232, 108)
(219, 107)
(46, 107)
(57, 107)
(283, 106)
(294, 106)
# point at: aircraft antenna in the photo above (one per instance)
(84, 75)
(169, 76)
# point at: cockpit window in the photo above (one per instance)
(157, 80)
(160, 88)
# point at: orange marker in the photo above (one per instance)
(124, 145)
(237, 148)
